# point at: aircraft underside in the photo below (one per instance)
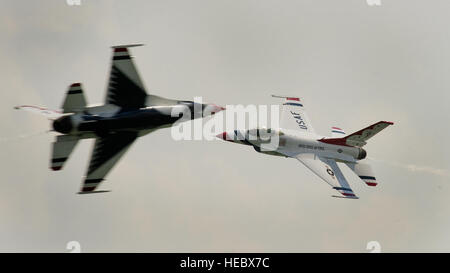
(146, 119)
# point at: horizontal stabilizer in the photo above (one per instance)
(74, 101)
(359, 138)
(364, 172)
(62, 148)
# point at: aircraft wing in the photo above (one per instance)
(106, 153)
(125, 87)
(329, 171)
(293, 116)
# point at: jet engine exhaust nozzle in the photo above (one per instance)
(362, 154)
(63, 125)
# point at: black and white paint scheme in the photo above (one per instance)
(128, 113)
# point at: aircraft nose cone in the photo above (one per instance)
(218, 107)
(222, 136)
(215, 108)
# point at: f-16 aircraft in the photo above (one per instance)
(128, 113)
(297, 139)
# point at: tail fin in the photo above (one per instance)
(293, 116)
(364, 171)
(74, 101)
(62, 148)
(359, 138)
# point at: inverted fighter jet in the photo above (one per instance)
(128, 113)
(297, 139)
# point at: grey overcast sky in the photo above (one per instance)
(352, 64)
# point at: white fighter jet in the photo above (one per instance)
(128, 113)
(297, 139)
